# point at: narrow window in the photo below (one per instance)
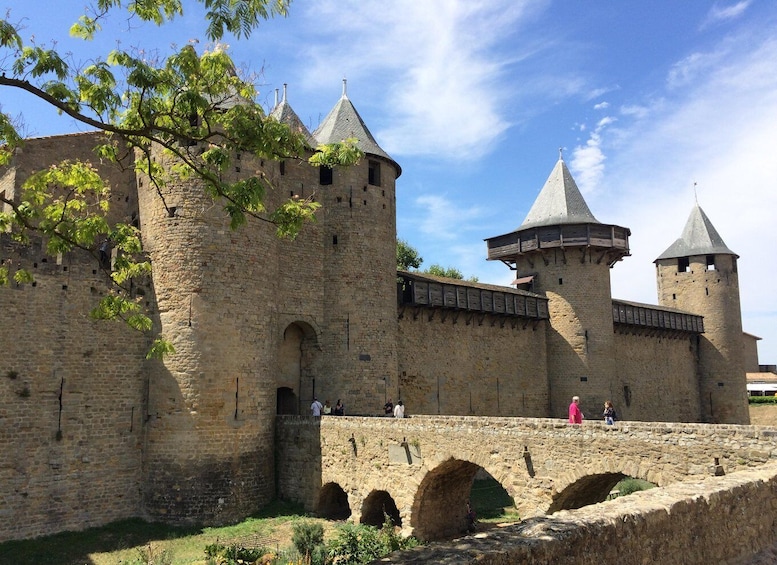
(711, 263)
(561, 281)
(283, 168)
(334, 240)
(683, 265)
(373, 173)
(324, 175)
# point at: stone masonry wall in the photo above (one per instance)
(71, 402)
(655, 379)
(452, 365)
(722, 520)
(537, 461)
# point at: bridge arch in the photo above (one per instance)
(590, 489)
(333, 502)
(376, 506)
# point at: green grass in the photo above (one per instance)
(630, 485)
(124, 542)
(491, 502)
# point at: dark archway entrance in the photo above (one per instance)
(296, 353)
(377, 506)
(286, 401)
(333, 503)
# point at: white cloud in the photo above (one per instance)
(719, 13)
(444, 60)
(602, 106)
(443, 218)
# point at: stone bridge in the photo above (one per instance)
(420, 470)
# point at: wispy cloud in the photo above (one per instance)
(588, 159)
(720, 12)
(442, 59)
(444, 218)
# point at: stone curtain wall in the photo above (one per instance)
(71, 403)
(493, 367)
(721, 520)
(655, 379)
(536, 460)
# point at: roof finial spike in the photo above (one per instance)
(284, 91)
(560, 153)
(276, 98)
(695, 194)
(345, 90)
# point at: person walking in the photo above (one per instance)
(609, 413)
(315, 408)
(399, 410)
(575, 414)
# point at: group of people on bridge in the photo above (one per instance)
(576, 414)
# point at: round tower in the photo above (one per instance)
(698, 274)
(358, 221)
(210, 407)
(564, 253)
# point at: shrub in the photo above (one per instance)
(762, 399)
(232, 554)
(363, 544)
(308, 537)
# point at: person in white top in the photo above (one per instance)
(399, 410)
(315, 408)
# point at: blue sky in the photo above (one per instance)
(474, 98)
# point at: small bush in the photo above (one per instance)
(307, 537)
(232, 554)
(363, 544)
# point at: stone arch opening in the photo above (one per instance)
(377, 506)
(295, 357)
(590, 489)
(286, 401)
(440, 506)
(333, 502)
(489, 498)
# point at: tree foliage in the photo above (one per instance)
(407, 256)
(192, 105)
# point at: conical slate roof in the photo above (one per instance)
(559, 202)
(699, 237)
(284, 113)
(344, 122)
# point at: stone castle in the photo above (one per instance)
(92, 432)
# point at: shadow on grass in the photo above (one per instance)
(74, 548)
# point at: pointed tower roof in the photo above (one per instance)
(344, 122)
(559, 202)
(699, 237)
(284, 113)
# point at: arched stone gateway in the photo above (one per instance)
(439, 509)
(295, 357)
(333, 503)
(587, 490)
(377, 506)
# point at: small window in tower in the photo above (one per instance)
(283, 168)
(334, 240)
(373, 173)
(711, 263)
(324, 175)
(561, 281)
(683, 265)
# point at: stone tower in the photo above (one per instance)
(698, 273)
(564, 253)
(260, 325)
